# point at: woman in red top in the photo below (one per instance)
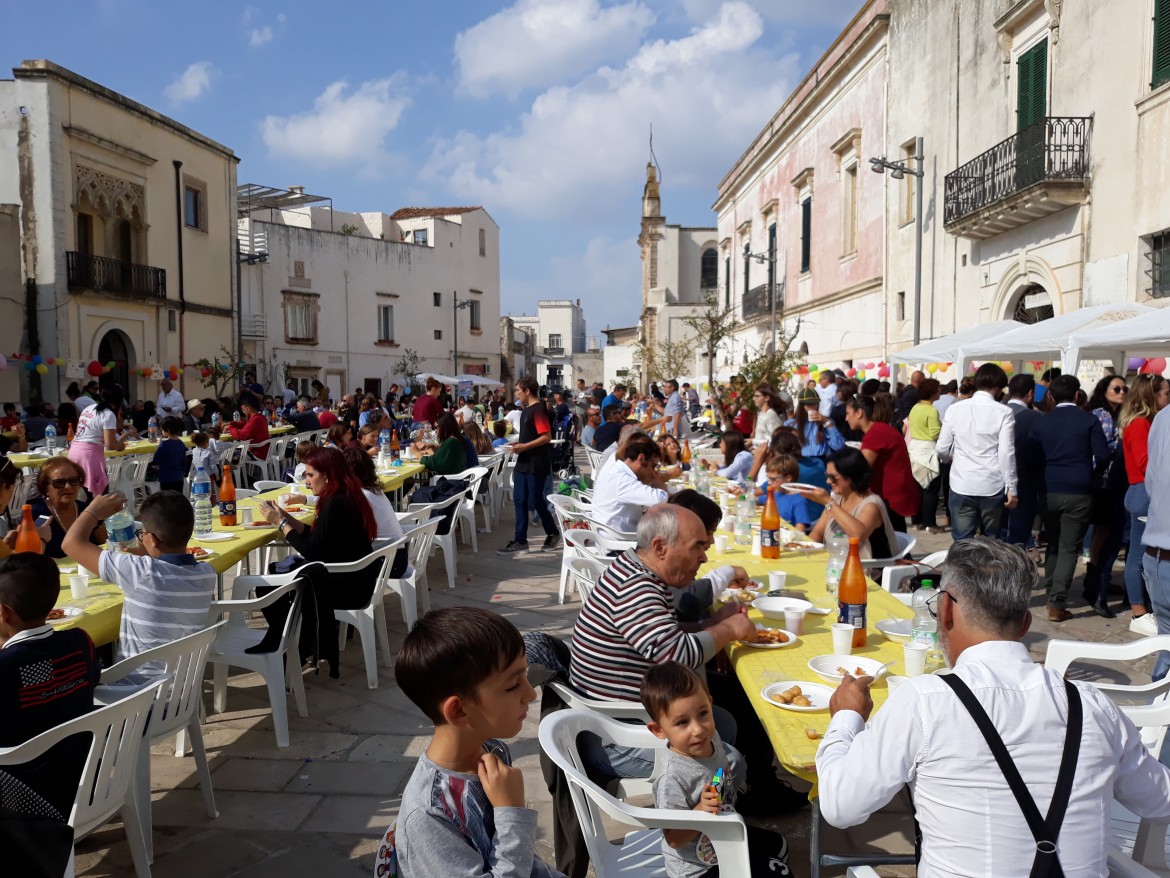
(885, 450)
(1146, 398)
(427, 407)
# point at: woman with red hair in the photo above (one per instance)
(343, 531)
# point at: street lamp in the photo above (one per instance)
(458, 306)
(898, 170)
(768, 259)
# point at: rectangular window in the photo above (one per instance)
(192, 199)
(172, 320)
(849, 210)
(473, 313)
(84, 233)
(554, 340)
(300, 317)
(900, 306)
(385, 323)
(420, 236)
(438, 300)
(1161, 74)
(727, 282)
(438, 335)
(298, 322)
(1159, 269)
(806, 235)
(483, 242)
(1032, 85)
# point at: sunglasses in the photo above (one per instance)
(832, 480)
(1119, 388)
(73, 482)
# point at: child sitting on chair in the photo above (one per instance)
(694, 775)
(463, 811)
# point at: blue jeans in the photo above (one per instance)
(1157, 576)
(1137, 503)
(970, 514)
(1021, 519)
(527, 494)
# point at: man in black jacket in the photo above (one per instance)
(1029, 461)
(1073, 446)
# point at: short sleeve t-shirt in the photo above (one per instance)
(92, 424)
(534, 423)
(892, 479)
(674, 405)
(427, 408)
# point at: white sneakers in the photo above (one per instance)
(1145, 625)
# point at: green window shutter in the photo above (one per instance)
(1161, 72)
(1032, 85)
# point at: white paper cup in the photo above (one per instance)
(776, 579)
(843, 638)
(79, 586)
(245, 515)
(794, 622)
(720, 543)
(728, 523)
(914, 657)
(893, 681)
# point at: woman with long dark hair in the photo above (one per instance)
(853, 508)
(769, 413)
(819, 434)
(885, 451)
(451, 455)
(98, 430)
(737, 460)
(1108, 514)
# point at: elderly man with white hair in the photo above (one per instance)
(985, 747)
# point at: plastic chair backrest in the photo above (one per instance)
(421, 537)
(585, 572)
(183, 662)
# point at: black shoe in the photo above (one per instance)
(1102, 609)
(552, 543)
(512, 548)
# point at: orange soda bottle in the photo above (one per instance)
(770, 528)
(853, 594)
(27, 538)
(685, 457)
(227, 498)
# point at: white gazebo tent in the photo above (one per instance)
(442, 379)
(1146, 335)
(1048, 339)
(946, 349)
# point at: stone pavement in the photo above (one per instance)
(319, 807)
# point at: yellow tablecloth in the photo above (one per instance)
(135, 446)
(756, 668)
(396, 477)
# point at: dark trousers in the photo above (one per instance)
(1021, 519)
(528, 494)
(928, 516)
(1066, 518)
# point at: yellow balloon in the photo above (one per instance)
(932, 368)
(42, 369)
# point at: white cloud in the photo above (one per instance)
(582, 149)
(260, 35)
(192, 83)
(537, 43)
(602, 272)
(343, 126)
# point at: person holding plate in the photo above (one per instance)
(852, 506)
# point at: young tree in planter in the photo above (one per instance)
(222, 372)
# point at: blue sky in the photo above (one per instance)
(539, 110)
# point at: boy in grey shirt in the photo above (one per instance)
(694, 775)
(463, 813)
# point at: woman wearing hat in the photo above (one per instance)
(819, 435)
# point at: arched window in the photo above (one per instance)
(709, 270)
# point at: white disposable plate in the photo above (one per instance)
(897, 630)
(826, 666)
(207, 554)
(797, 487)
(792, 640)
(70, 613)
(68, 568)
(801, 546)
(774, 608)
(818, 693)
(728, 595)
(213, 538)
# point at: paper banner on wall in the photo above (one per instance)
(76, 369)
(156, 372)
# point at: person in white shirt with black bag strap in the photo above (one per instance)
(987, 746)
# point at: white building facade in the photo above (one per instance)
(342, 297)
(559, 330)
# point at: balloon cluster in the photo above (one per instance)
(860, 371)
(1154, 366)
(171, 373)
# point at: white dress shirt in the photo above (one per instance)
(173, 401)
(828, 397)
(971, 825)
(619, 498)
(979, 439)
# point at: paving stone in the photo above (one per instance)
(237, 810)
(356, 815)
(382, 748)
(356, 778)
(260, 775)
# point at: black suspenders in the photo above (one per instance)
(1045, 830)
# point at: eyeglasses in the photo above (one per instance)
(73, 482)
(832, 480)
(139, 532)
(932, 602)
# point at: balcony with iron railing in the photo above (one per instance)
(757, 302)
(100, 274)
(556, 351)
(1037, 171)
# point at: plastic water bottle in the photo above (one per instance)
(924, 628)
(215, 422)
(51, 439)
(201, 501)
(384, 442)
(235, 417)
(838, 546)
(479, 420)
(120, 530)
(152, 428)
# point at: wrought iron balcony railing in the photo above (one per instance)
(757, 302)
(554, 351)
(1052, 149)
(101, 274)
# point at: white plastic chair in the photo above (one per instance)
(446, 541)
(595, 458)
(175, 710)
(277, 667)
(585, 572)
(903, 545)
(370, 620)
(1137, 846)
(252, 467)
(131, 480)
(412, 586)
(612, 532)
(640, 853)
(466, 515)
(895, 575)
(565, 510)
(106, 784)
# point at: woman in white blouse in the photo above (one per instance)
(769, 414)
(98, 430)
(389, 527)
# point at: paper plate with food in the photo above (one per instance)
(62, 614)
(744, 595)
(200, 553)
(797, 487)
(833, 668)
(771, 638)
(798, 695)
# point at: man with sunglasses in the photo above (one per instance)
(981, 747)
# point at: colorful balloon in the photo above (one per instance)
(42, 369)
(1157, 365)
(932, 368)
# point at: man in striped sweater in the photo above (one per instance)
(629, 624)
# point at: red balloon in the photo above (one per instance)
(1157, 365)
(852, 373)
(94, 368)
